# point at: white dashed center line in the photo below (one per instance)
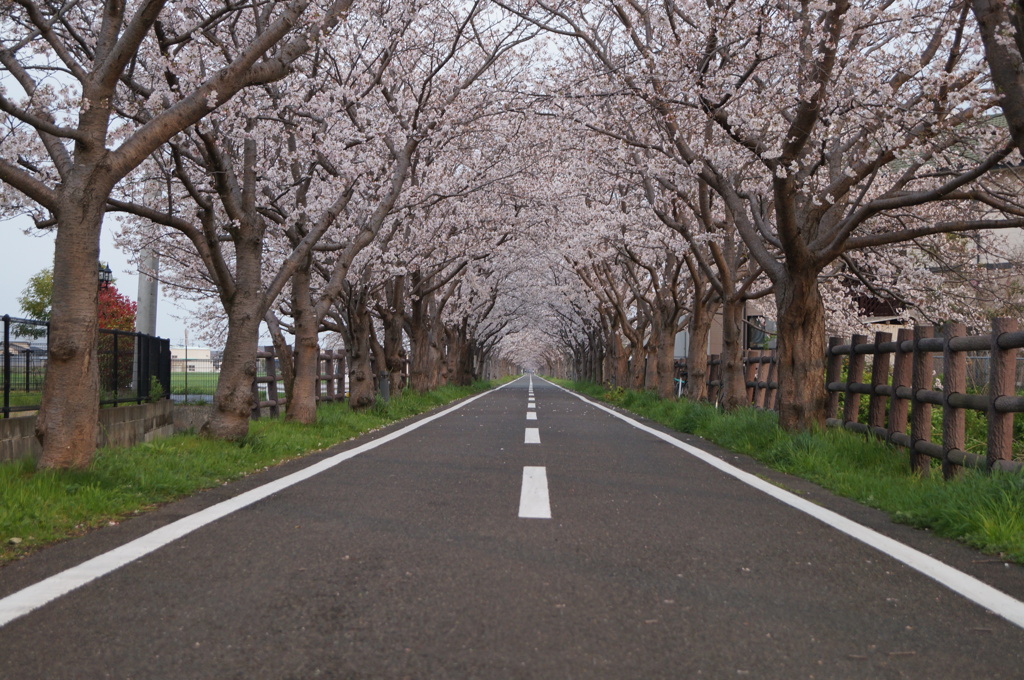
(531, 415)
(532, 435)
(533, 501)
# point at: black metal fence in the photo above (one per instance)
(134, 367)
(194, 375)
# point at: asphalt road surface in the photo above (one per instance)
(484, 544)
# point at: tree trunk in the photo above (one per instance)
(419, 367)
(1000, 25)
(662, 345)
(357, 341)
(301, 407)
(425, 354)
(466, 361)
(651, 377)
(285, 355)
(734, 386)
(453, 355)
(801, 351)
(439, 362)
(394, 354)
(608, 363)
(697, 356)
(68, 422)
(394, 318)
(598, 361)
(232, 402)
(666, 363)
(419, 374)
(481, 370)
(380, 363)
(637, 367)
(620, 360)
(461, 364)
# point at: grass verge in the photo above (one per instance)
(38, 508)
(985, 511)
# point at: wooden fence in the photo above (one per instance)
(761, 373)
(911, 394)
(330, 385)
(902, 390)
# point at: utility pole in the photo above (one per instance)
(145, 314)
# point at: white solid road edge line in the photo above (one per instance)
(973, 589)
(533, 499)
(28, 599)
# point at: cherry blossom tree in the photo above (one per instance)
(1001, 24)
(431, 86)
(817, 122)
(69, 71)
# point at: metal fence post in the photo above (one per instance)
(7, 366)
(143, 352)
(164, 365)
(117, 366)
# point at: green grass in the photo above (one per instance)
(25, 398)
(47, 506)
(983, 510)
(976, 422)
(197, 382)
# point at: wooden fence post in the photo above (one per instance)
(761, 378)
(834, 369)
(879, 376)
(854, 374)
(899, 407)
(750, 373)
(272, 394)
(328, 375)
(921, 413)
(342, 374)
(954, 381)
(771, 400)
(1001, 378)
(256, 411)
(714, 377)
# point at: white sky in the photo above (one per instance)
(25, 255)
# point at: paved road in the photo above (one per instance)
(412, 560)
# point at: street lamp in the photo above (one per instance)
(105, 275)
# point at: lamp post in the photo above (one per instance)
(106, 275)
